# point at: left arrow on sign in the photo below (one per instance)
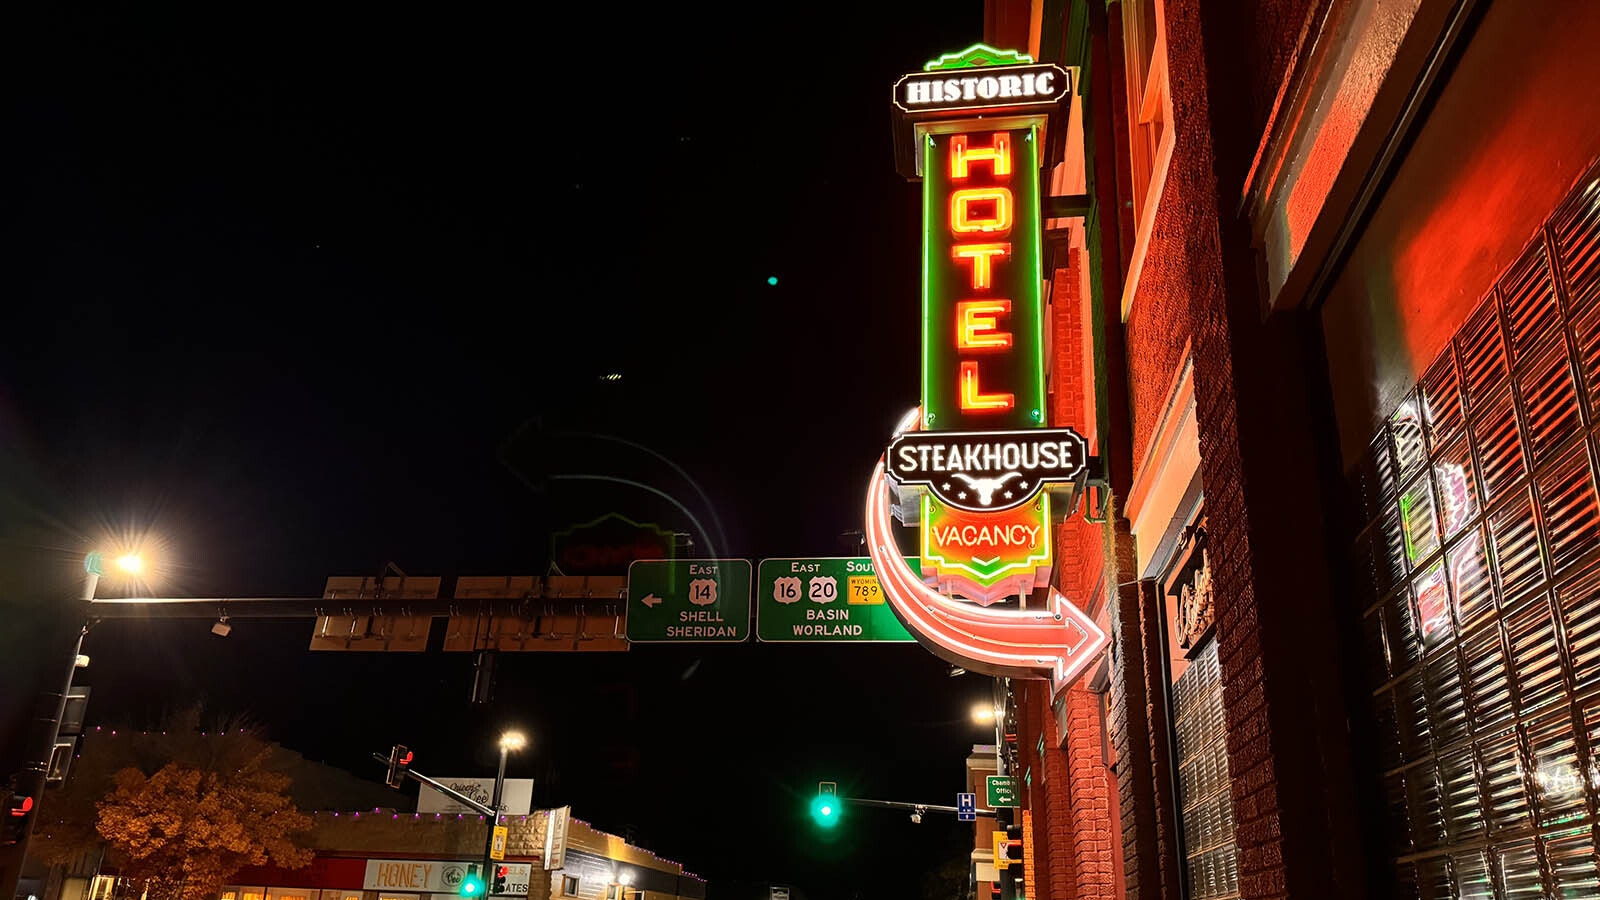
(650, 600)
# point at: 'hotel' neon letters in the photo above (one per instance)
(972, 396)
(997, 154)
(977, 321)
(983, 257)
(976, 327)
(999, 219)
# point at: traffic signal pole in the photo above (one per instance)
(494, 822)
(453, 794)
(914, 807)
(30, 781)
(490, 813)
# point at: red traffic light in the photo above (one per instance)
(20, 806)
(499, 884)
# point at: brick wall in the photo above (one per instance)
(1129, 730)
(1068, 333)
(1072, 841)
(1257, 410)
(1050, 843)
(406, 835)
(1085, 772)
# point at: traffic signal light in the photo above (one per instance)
(18, 809)
(472, 884)
(1003, 844)
(399, 762)
(1008, 859)
(825, 807)
(497, 884)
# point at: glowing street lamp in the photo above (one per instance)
(130, 564)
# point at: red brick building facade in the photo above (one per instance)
(1325, 299)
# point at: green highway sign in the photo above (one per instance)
(824, 599)
(1000, 791)
(689, 601)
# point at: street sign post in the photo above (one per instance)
(689, 601)
(824, 599)
(1000, 791)
(967, 807)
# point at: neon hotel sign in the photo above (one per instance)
(974, 467)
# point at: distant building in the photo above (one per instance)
(388, 855)
(380, 853)
(385, 855)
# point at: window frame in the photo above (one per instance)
(1150, 131)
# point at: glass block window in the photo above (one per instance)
(1477, 581)
(1205, 804)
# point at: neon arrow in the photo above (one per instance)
(1059, 639)
(650, 600)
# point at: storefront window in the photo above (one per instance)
(1200, 749)
(102, 886)
(1479, 586)
(1205, 799)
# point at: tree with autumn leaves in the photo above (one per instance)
(178, 811)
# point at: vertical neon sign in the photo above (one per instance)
(983, 343)
(973, 473)
(982, 299)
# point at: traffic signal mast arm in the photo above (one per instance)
(457, 796)
(914, 807)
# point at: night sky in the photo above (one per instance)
(306, 291)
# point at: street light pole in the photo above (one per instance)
(509, 741)
(999, 692)
(30, 782)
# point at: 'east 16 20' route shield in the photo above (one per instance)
(823, 600)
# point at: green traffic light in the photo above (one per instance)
(471, 886)
(825, 809)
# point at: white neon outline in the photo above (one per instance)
(1028, 640)
(983, 106)
(908, 421)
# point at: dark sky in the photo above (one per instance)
(297, 289)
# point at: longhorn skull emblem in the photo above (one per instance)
(985, 486)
